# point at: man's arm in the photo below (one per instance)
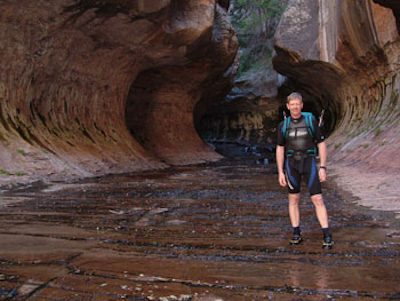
(280, 159)
(323, 156)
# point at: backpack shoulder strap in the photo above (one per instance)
(285, 127)
(309, 122)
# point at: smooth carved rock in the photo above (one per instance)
(344, 57)
(92, 87)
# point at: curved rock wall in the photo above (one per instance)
(344, 56)
(92, 87)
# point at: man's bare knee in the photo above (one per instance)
(294, 198)
(317, 200)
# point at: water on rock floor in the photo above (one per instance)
(211, 232)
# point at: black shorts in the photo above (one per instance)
(295, 170)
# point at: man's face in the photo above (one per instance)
(295, 106)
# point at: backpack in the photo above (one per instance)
(310, 126)
(309, 122)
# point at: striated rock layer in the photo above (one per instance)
(92, 87)
(344, 56)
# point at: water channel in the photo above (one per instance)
(210, 232)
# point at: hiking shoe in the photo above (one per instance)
(327, 242)
(296, 239)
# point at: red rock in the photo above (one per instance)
(76, 80)
(344, 57)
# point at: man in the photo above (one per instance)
(299, 136)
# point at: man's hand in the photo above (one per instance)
(282, 179)
(322, 175)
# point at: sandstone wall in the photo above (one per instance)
(93, 87)
(344, 56)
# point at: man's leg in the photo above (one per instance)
(293, 179)
(320, 210)
(294, 211)
(294, 214)
(322, 216)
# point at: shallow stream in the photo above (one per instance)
(210, 232)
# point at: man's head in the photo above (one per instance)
(294, 95)
(295, 104)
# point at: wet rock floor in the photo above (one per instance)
(212, 232)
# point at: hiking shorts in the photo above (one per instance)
(296, 170)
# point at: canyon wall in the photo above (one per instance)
(93, 87)
(344, 56)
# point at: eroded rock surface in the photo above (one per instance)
(93, 87)
(344, 56)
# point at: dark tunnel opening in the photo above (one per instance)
(239, 129)
(246, 128)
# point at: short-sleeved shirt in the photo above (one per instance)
(317, 138)
(299, 139)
